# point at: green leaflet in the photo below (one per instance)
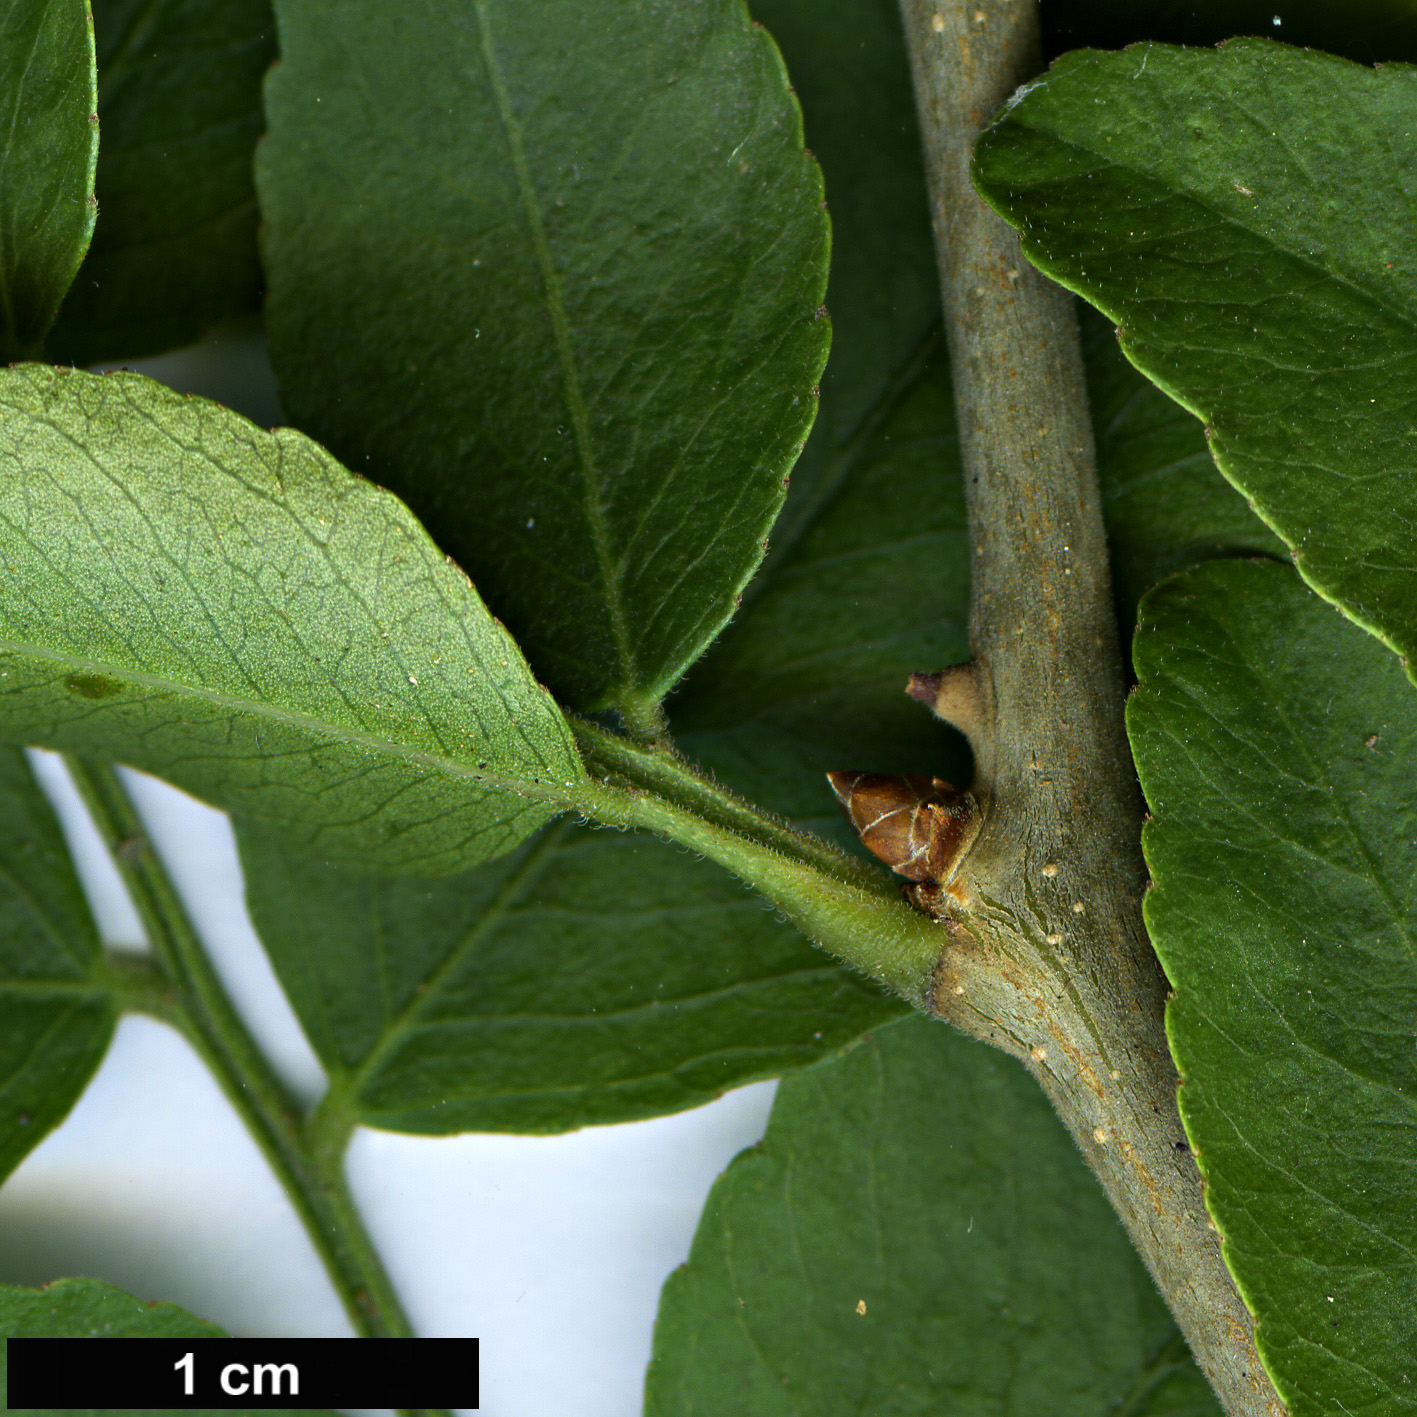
(553, 273)
(47, 155)
(1240, 214)
(596, 977)
(588, 977)
(56, 1015)
(179, 96)
(1277, 748)
(916, 1233)
(232, 609)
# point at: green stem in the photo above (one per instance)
(307, 1160)
(667, 775)
(838, 902)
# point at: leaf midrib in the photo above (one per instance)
(55, 989)
(767, 1056)
(406, 1020)
(647, 1008)
(560, 325)
(562, 795)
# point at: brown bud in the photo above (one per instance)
(918, 825)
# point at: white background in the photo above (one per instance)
(551, 1250)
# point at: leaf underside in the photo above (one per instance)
(1277, 747)
(233, 610)
(553, 274)
(1240, 215)
(915, 1233)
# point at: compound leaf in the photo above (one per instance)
(48, 153)
(233, 610)
(174, 252)
(915, 1233)
(554, 274)
(595, 976)
(1277, 747)
(1240, 215)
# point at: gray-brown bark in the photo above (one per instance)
(1048, 957)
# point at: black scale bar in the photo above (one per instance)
(249, 1373)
